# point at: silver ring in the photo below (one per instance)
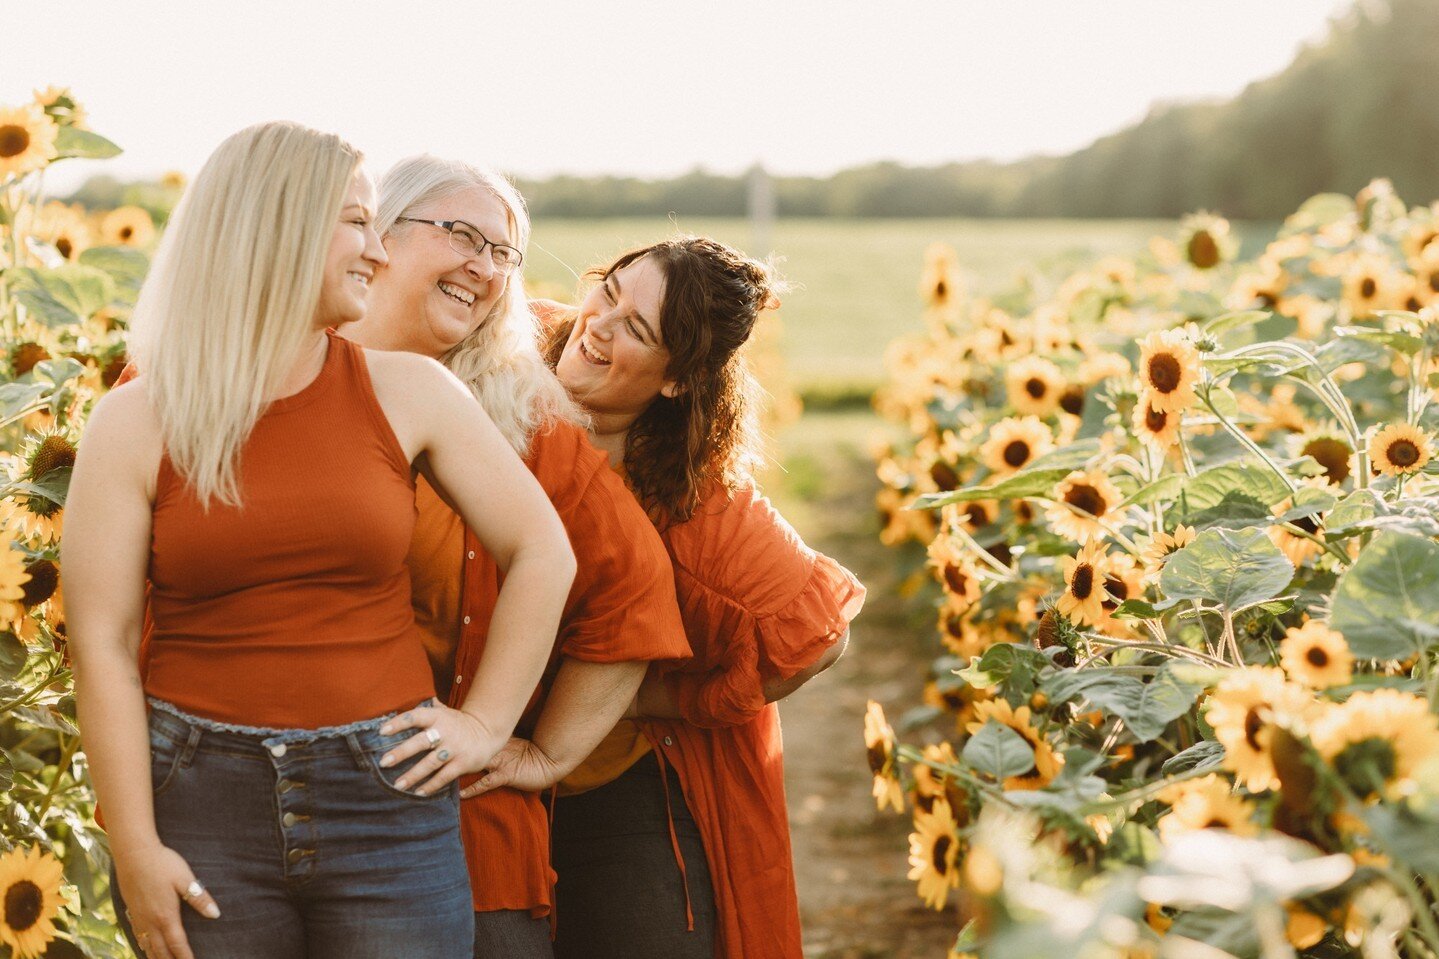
(194, 890)
(433, 736)
(444, 755)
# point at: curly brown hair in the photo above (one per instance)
(708, 432)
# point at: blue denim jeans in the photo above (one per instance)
(305, 843)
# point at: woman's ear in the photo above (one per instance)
(670, 389)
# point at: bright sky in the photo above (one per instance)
(647, 87)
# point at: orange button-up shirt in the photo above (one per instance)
(757, 604)
(621, 608)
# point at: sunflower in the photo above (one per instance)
(934, 854)
(1162, 544)
(1316, 655)
(13, 579)
(27, 140)
(1125, 580)
(173, 180)
(128, 226)
(1156, 428)
(1259, 290)
(1419, 238)
(1208, 803)
(30, 887)
(1168, 369)
(1327, 446)
(1101, 366)
(1426, 276)
(955, 570)
(24, 356)
(1298, 549)
(1370, 284)
(899, 524)
(1084, 590)
(61, 106)
(941, 285)
(1034, 385)
(1047, 763)
(879, 746)
(1312, 314)
(1377, 740)
(955, 696)
(1243, 711)
(1014, 443)
(931, 785)
(1398, 449)
(1082, 500)
(1206, 241)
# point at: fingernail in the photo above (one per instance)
(387, 762)
(385, 730)
(400, 784)
(212, 911)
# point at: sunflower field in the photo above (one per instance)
(68, 278)
(1183, 513)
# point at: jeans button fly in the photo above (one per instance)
(277, 750)
(296, 855)
(289, 819)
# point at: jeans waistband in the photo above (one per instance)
(270, 736)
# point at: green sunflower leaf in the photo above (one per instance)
(1234, 568)
(13, 655)
(1204, 754)
(66, 295)
(999, 751)
(1403, 343)
(70, 142)
(1385, 603)
(1147, 708)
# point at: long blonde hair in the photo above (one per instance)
(500, 360)
(232, 295)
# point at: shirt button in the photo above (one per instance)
(459, 679)
(284, 786)
(296, 855)
(277, 750)
(289, 819)
(467, 620)
(470, 554)
(669, 741)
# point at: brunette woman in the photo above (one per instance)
(689, 811)
(453, 289)
(259, 471)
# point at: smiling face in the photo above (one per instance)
(430, 297)
(355, 254)
(615, 361)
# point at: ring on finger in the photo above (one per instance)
(194, 890)
(432, 736)
(443, 755)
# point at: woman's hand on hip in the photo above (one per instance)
(458, 743)
(520, 764)
(154, 883)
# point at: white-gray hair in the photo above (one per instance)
(500, 360)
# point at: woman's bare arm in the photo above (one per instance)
(106, 554)
(584, 703)
(465, 457)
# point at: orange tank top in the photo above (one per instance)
(293, 611)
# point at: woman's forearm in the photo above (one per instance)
(111, 709)
(522, 633)
(585, 702)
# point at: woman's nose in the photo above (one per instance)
(481, 267)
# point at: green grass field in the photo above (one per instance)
(855, 281)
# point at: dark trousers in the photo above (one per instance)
(512, 934)
(620, 891)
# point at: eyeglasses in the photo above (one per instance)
(468, 241)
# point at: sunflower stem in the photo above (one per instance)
(1248, 443)
(1329, 548)
(1001, 571)
(1142, 793)
(62, 769)
(1124, 541)
(1170, 648)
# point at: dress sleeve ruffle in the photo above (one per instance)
(724, 685)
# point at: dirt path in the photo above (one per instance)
(850, 860)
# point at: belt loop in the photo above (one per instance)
(675, 840)
(192, 742)
(357, 751)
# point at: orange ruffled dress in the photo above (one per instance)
(758, 604)
(621, 608)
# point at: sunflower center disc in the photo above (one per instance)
(23, 902)
(14, 141)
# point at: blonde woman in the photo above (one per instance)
(452, 289)
(259, 471)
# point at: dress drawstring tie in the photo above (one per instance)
(674, 836)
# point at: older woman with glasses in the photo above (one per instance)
(452, 289)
